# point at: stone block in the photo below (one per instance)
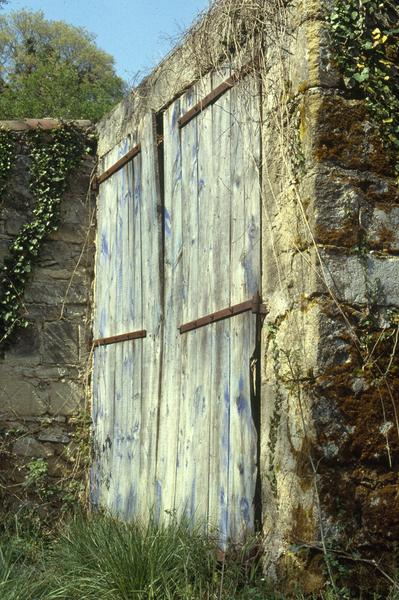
(24, 347)
(14, 222)
(333, 204)
(66, 398)
(383, 229)
(29, 447)
(19, 397)
(365, 279)
(55, 435)
(4, 245)
(59, 254)
(60, 344)
(47, 373)
(55, 292)
(338, 131)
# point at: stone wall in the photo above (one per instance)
(43, 370)
(330, 363)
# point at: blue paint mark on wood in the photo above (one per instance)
(137, 197)
(103, 322)
(251, 277)
(131, 501)
(167, 223)
(253, 231)
(175, 116)
(244, 508)
(104, 245)
(193, 506)
(158, 499)
(226, 426)
(241, 401)
(199, 400)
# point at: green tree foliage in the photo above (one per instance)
(52, 69)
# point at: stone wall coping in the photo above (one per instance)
(29, 124)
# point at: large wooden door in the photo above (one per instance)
(127, 330)
(196, 450)
(207, 460)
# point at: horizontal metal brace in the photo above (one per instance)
(255, 306)
(116, 167)
(123, 337)
(213, 96)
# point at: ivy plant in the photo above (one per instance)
(365, 40)
(53, 157)
(7, 156)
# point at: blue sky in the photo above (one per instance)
(137, 33)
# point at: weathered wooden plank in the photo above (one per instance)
(118, 267)
(220, 297)
(97, 428)
(128, 354)
(112, 191)
(199, 367)
(101, 322)
(132, 373)
(118, 441)
(186, 492)
(121, 162)
(237, 274)
(151, 294)
(170, 400)
(104, 274)
(245, 277)
(108, 427)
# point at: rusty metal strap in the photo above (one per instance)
(255, 305)
(123, 337)
(213, 96)
(116, 167)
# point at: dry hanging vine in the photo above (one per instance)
(53, 158)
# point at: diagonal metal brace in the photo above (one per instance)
(123, 337)
(254, 305)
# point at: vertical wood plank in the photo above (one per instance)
(245, 282)
(220, 298)
(199, 343)
(151, 317)
(116, 403)
(186, 492)
(170, 400)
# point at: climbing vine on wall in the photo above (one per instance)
(53, 156)
(365, 39)
(7, 155)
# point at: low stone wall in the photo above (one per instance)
(43, 369)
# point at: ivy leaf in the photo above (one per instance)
(362, 76)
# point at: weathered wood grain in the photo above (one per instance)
(170, 398)
(151, 295)
(199, 353)
(219, 298)
(245, 279)
(185, 492)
